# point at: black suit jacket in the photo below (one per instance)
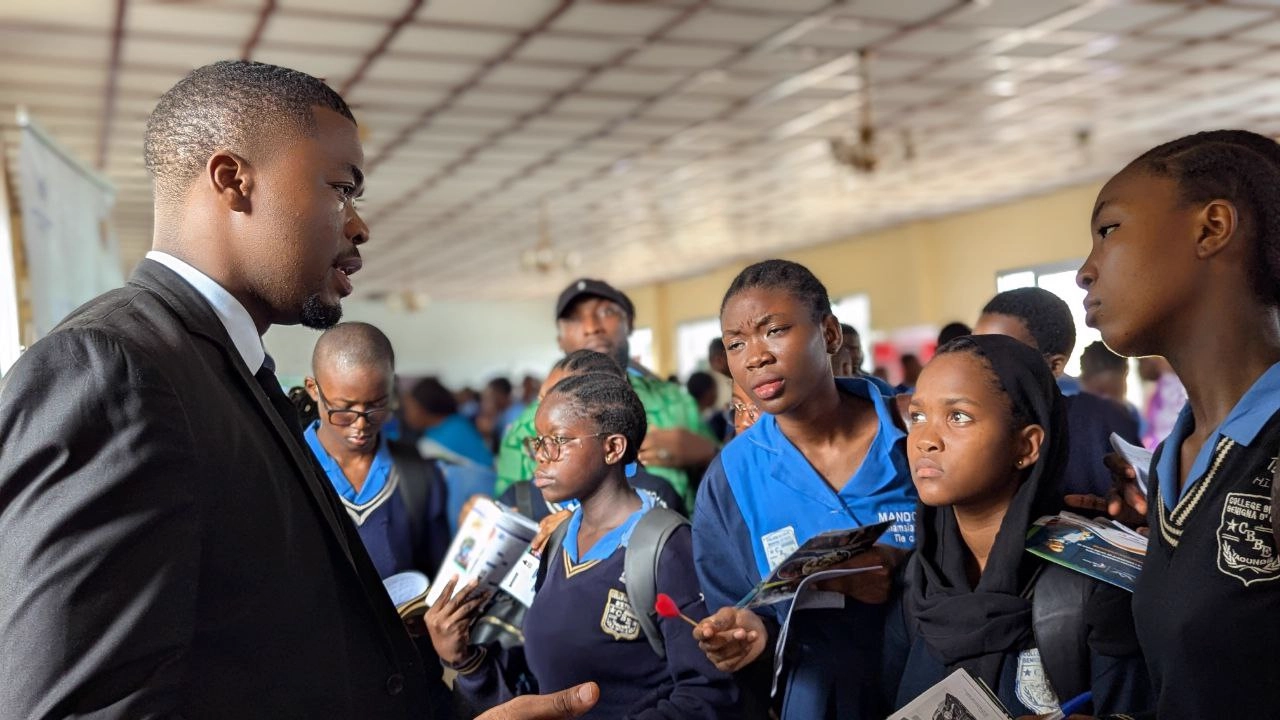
(167, 545)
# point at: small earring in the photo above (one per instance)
(1018, 464)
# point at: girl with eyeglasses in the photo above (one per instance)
(581, 626)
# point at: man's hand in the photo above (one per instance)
(547, 526)
(449, 621)
(732, 638)
(675, 448)
(570, 703)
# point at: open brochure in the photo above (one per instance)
(819, 553)
(1138, 457)
(1102, 549)
(959, 696)
(408, 591)
(491, 540)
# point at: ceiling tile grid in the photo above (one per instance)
(659, 138)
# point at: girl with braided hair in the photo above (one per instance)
(581, 626)
(1186, 265)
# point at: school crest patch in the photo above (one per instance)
(618, 619)
(1246, 545)
(1032, 686)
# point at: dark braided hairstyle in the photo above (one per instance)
(1240, 167)
(611, 405)
(586, 362)
(794, 278)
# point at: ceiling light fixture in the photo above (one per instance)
(857, 150)
(543, 257)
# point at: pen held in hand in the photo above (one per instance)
(667, 608)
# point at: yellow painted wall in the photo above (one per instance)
(924, 272)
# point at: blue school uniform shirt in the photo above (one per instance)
(759, 501)
(458, 435)
(1242, 425)
(377, 509)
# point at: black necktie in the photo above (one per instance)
(266, 377)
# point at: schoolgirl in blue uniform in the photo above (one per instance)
(581, 626)
(825, 454)
(988, 450)
(1186, 264)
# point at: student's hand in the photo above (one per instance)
(1126, 503)
(871, 587)
(732, 638)
(571, 703)
(547, 526)
(1093, 504)
(675, 448)
(449, 620)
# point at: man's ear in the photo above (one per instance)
(231, 178)
(312, 389)
(1057, 364)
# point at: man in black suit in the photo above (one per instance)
(167, 545)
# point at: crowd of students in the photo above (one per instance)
(959, 461)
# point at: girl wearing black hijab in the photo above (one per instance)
(987, 444)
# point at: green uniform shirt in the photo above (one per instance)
(666, 405)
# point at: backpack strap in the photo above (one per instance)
(640, 568)
(1057, 621)
(550, 553)
(413, 477)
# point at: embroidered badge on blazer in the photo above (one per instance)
(1246, 545)
(618, 619)
(1032, 685)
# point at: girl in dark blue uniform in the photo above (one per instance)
(1186, 264)
(988, 449)
(825, 454)
(581, 626)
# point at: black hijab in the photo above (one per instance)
(974, 627)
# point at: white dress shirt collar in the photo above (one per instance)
(244, 334)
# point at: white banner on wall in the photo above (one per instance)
(72, 254)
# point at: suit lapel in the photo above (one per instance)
(195, 313)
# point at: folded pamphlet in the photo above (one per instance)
(960, 696)
(820, 553)
(1136, 456)
(1102, 548)
(491, 540)
(408, 591)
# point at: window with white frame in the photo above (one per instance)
(855, 310)
(641, 344)
(692, 340)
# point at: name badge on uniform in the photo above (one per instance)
(618, 619)
(778, 546)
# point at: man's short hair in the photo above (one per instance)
(230, 105)
(351, 345)
(1047, 317)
